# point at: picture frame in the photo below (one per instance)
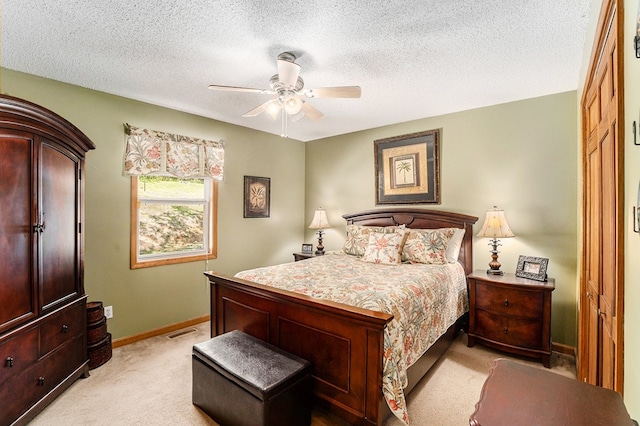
(307, 248)
(407, 168)
(636, 213)
(257, 196)
(534, 268)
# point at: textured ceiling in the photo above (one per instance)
(413, 59)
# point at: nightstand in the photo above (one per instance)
(302, 256)
(511, 314)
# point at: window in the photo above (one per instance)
(173, 220)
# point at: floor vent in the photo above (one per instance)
(181, 333)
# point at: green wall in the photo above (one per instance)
(150, 298)
(520, 156)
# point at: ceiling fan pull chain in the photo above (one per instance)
(285, 131)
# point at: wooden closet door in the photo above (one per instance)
(601, 287)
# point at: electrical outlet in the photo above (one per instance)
(108, 311)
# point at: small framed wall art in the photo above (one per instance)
(407, 169)
(534, 268)
(257, 196)
(636, 213)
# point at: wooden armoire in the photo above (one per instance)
(43, 343)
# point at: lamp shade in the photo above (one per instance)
(495, 225)
(320, 220)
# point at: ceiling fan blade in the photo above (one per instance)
(239, 89)
(334, 92)
(269, 106)
(311, 111)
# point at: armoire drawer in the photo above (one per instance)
(62, 326)
(17, 353)
(20, 393)
(514, 331)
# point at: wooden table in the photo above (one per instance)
(302, 256)
(516, 394)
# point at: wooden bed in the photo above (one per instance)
(343, 343)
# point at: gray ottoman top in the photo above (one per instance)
(257, 363)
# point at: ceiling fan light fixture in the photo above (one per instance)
(273, 109)
(292, 104)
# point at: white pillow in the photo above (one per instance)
(454, 245)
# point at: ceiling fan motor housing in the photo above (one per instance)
(278, 87)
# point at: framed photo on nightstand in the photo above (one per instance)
(307, 248)
(534, 268)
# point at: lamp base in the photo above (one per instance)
(320, 247)
(494, 265)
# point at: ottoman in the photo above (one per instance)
(241, 380)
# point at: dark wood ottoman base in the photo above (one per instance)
(241, 380)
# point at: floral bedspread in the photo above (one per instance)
(424, 300)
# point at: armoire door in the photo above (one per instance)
(59, 224)
(17, 289)
(601, 285)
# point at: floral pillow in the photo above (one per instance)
(427, 246)
(358, 237)
(384, 248)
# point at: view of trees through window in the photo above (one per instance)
(171, 215)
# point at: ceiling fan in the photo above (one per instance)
(290, 93)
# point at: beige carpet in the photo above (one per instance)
(149, 383)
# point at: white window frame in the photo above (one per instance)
(210, 204)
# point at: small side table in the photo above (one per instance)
(511, 314)
(302, 256)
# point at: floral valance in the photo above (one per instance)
(149, 152)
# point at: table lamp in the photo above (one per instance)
(319, 222)
(495, 226)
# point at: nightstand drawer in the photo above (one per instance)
(509, 301)
(510, 330)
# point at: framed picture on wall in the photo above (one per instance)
(636, 213)
(407, 169)
(257, 196)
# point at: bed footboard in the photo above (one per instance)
(343, 343)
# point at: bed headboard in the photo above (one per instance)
(421, 218)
